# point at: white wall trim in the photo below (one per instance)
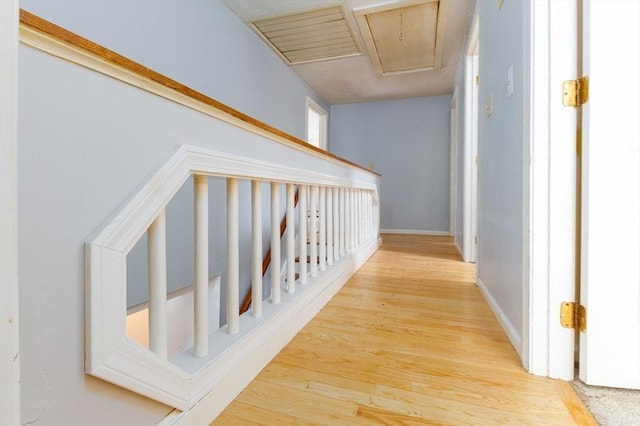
(453, 163)
(514, 337)
(241, 366)
(414, 232)
(9, 302)
(458, 248)
(550, 242)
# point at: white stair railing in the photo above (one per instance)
(338, 217)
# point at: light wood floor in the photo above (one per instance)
(409, 340)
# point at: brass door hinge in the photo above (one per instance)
(573, 315)
(575, 93)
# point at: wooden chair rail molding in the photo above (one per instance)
(30, 23)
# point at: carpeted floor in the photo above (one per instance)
(609, 406)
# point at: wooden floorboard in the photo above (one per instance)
(409, 340)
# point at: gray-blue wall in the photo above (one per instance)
(408, 142)
(200, 44)
(501, 159)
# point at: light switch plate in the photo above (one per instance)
(488, 107)
(510, 82)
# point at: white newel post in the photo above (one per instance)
(157, 253)
(329, 226)
(313, 232)
(201, 266)
(276, 264)
(291, 239)
(302, 252)
(256, 241)
(342, 230)
(233, 258)
(322, 224)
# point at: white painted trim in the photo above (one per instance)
(453, 164)
(458, 248)
(324, 122)
(548, 348)
(473, 161)
(241, 364)
(514, 337)
(414, 232)
(9, 324)
(467, 187)
(59, 49)
(113, 357)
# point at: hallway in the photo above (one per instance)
(408, 340)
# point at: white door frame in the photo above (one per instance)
(470, 207)
(549, 187)
(9, 335)
(453, 163)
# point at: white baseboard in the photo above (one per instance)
(509, 329)
(458, 248)
(414, 232)
(243, 363)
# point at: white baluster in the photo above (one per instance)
(336, 223)
(342, 231)
(371, 229)
(352, 219)
(360, 218)
(302, 252)
(367, 204)
(313, 231)
(322, 224)
(291, 240)
(347, 220)
(201, 266)
(329, 226)
(256, 239)
(157, 253)
(233, 258)
(275, 243)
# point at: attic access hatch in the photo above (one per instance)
(315, 35)
(404, 37)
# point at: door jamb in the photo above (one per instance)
(550, 50)
(469, 202)
(9, 330)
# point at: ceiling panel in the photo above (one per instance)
(403, 37)
(315, 35)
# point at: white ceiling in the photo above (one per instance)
(356, 79)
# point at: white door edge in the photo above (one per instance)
(9, 330)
